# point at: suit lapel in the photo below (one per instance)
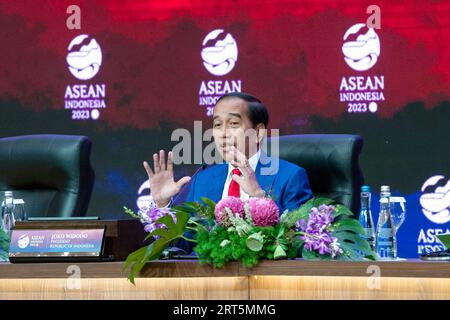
(217, 182)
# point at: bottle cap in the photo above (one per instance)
(365, 189)
(385, 189)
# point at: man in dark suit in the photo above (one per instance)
(239, 126)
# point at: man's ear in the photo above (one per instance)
(261, 132)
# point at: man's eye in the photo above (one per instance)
(234, 123)
(216, 125)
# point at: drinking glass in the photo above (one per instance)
(398, 212)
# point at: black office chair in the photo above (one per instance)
(331, 161)
(52, 173)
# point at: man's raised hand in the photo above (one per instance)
(247, 181)
(162, 184)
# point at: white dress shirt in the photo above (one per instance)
(253, 162)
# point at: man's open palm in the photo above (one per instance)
(162, 184)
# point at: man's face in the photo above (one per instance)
(233, 127)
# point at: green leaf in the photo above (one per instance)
(351, 253)
(281, 232)
(353, 238)
(150, 253)
(140, 257)
(211, 204)
(348, 225)
(271, 247)
(134, 258)
(345, 258)
(173, 231)
(292, 217)
(185, 209)
(135, 255)
(295, 247)
(149, 237)
(198, 211)
(190, 207)
(4, 244)
(317, 202)
(309, 255)
(4, 256)
(353, 245)
(342, 210)
(192, 204)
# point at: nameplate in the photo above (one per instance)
(28, 243)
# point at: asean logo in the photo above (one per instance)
(361, 47)
(84, 57)
(23, 241)
(435, 199)
(219, 52)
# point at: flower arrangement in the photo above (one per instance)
(252, 230)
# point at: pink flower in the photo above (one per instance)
(235, 204)
(264, 211)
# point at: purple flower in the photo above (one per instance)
(322, 247)
(319, 219)
(153, 215)
(335, 247)
(322, 243)
(309, 242)
(300, 225)
(317, 236)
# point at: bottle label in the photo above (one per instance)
(385, 236)
(385, 243)
(385, 232)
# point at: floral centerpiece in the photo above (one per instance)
(252, 230)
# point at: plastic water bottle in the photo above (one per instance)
(386, 243)
(365, 217)
(8, 220)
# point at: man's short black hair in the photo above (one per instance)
(257, 111)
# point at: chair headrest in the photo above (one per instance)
(331, 160)
(43, 161)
